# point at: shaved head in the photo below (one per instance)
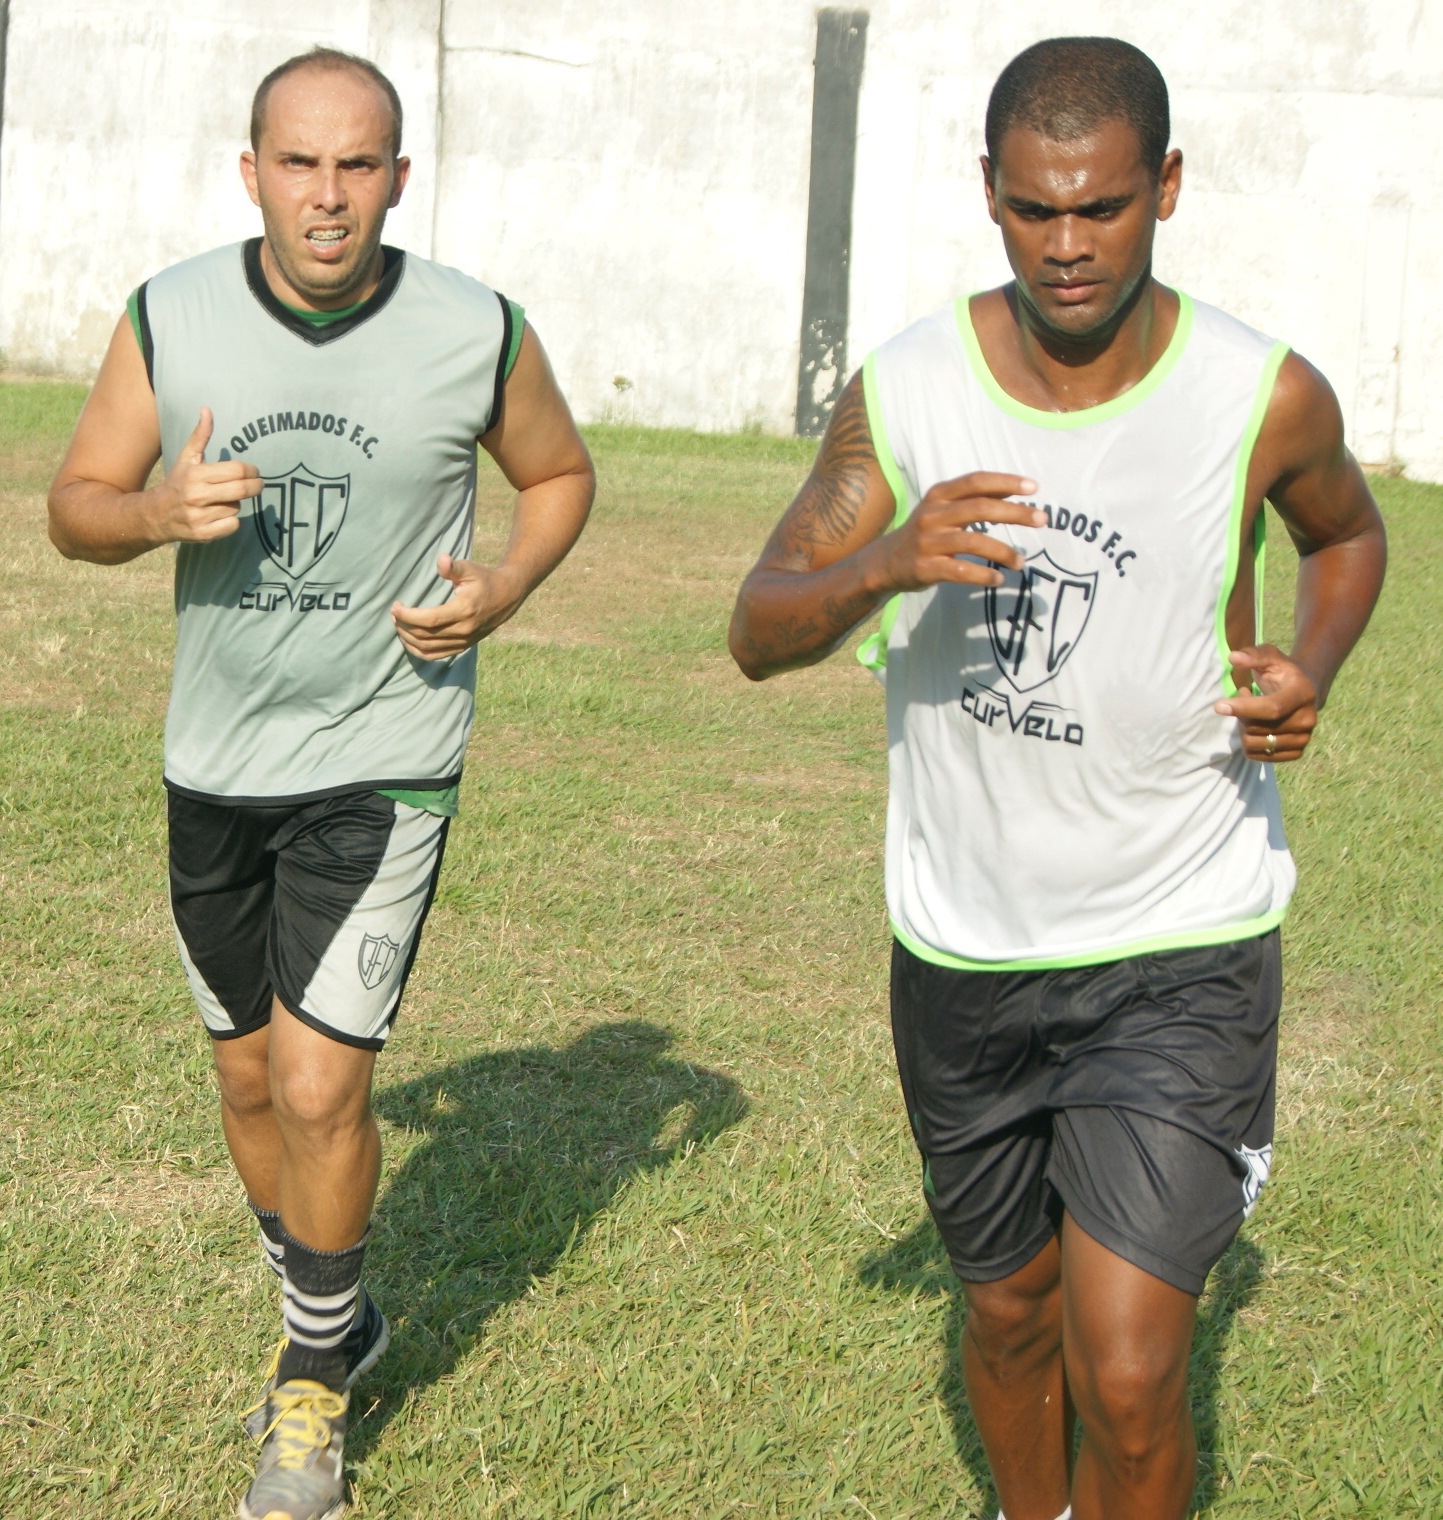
(327, 61)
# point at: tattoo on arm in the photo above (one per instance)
(840, 614)
(843, 613)
(787, 637)
(826, 508)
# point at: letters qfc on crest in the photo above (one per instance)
(376, 957)
(1035, 619)
(299, 516)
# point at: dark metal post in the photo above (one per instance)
(837, 84)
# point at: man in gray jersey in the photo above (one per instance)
(317, 399)
(1055, 489)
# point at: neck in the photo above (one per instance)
(1082, 371)
(350, 295)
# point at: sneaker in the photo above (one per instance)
(365, 1344)
(366, 1341)
(300, 1475)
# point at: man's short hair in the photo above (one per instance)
(1067, 87)
(330, 61)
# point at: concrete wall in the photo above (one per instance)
(635, 173)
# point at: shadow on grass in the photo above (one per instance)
(917, 1265)
(524, 1149)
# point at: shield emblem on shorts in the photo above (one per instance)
(1036, 617)
(375, 960)
(299, 516)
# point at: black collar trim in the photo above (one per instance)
(394, 266)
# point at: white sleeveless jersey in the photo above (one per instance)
(1062, 791)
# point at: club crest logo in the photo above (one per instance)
(375, 960)
(1036, 618)
(299, 516)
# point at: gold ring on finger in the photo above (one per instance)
(1270, 744)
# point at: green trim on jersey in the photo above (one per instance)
(1261, 399)
(445, 803)
(1223, 934)
(881, 445)
(872, 651)
(518, 331)
(324, 318)
(132, 310)
(1088, 414)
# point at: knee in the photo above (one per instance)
(1007, 1326)
(245, 1086)
(1132, 1404)
(316, 1104)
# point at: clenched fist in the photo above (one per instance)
(481, 600)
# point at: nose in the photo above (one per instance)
(330, 194)
(1069, 241)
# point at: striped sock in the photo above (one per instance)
(272, 1246)
(321, 1292)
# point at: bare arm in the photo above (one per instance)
(831, 562)
(540, 452)
(1324, 501)
(99, 509)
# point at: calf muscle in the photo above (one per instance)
(1012, 1366)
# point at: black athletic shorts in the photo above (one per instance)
(1138, 1095)
(320, 904)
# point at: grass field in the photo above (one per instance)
(650, 1227)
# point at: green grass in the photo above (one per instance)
(650, 1228)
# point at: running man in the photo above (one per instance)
(317, 398)
(1056, 489)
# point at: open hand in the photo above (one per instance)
(480, 601)
(198, 502)
(1277, 725)
(924, 550)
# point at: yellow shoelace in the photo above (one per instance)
(303, 1421)
(267, 1377)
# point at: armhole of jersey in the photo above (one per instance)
(518, 331)
(881, 445)
(1262, 397)
(139, 314)
(513, 329)
(872, 651)
(1260, 565)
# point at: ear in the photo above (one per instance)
(987, 187)
(1169, 184)
(248, 176)
(398, 183)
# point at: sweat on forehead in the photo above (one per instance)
(323, 60)
(1066, 87)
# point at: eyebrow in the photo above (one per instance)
(351, 160)
(1100, 207)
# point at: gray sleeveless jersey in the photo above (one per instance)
(289, 679)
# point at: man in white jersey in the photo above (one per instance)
(317, 399)
(1056, 491)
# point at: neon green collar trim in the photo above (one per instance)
(1119, 404)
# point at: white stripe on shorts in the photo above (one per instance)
(213, 1016)
(357, 985)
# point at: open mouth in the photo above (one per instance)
(327, 242)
